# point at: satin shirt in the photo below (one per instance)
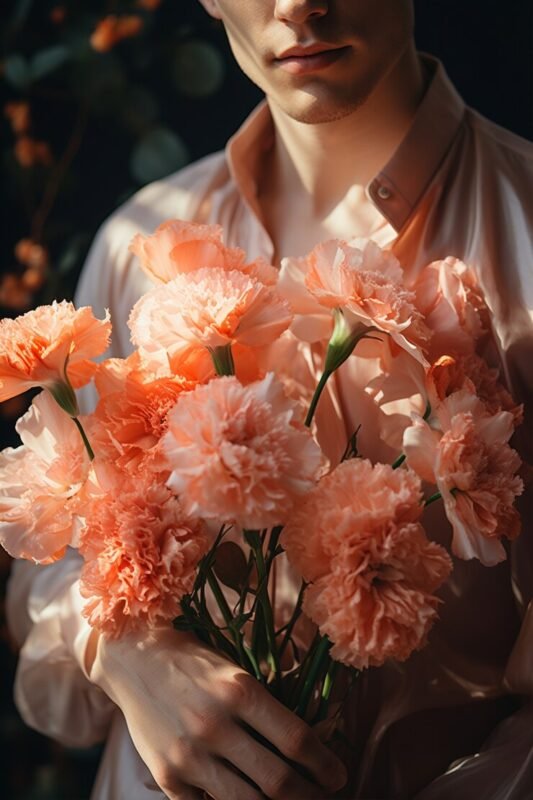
(455, 721)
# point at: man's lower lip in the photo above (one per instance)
(300, 65)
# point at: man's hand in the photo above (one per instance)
(189, 711)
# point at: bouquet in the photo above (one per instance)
(204, 490)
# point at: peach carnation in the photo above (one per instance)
(451, 374)
(177, 247)
(141, 552)
(40, 347)
(356, 538)
(362, 280)
(448, 296)
(128, 423)
(474, 469)
(38, 483)
(207, 308)
(240, 453)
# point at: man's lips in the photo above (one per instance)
(301, 60)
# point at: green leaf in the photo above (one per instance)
(198, 68)
(47, 60)
(157, 154)
(17, 71)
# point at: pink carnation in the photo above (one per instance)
(356, 538)
(448, 295)
(178, 247)
(474, 468)
(207, 308)
(38, 483)
(38, 348)
(364, 281)
(240, 453)
(141, 552)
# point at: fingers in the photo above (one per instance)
(221, 783)
(208, 779)
(274, 776)
(292, 737)
(181, 791)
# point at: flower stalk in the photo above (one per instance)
(341, 345)
(318, 662)
(90, 451)
(222, 358)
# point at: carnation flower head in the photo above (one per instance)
(474, 468)
(48, 346)
(448, 296)
(129, 422)
(141, 552)
(470, 372)
(357, 540)
(177, 247)
(207, 308)
(39, 482)
(364, 282)
(240, 453)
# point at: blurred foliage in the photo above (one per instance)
(98, 98)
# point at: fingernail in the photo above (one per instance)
(337, 776)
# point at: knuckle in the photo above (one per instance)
(208, 724)
(278, 783)
(297, 741)
(182, 754)
(166, 776)
(237, 692)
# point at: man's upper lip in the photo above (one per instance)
(300, 51)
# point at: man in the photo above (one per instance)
(359, 137)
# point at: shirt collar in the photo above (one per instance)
(401, 184)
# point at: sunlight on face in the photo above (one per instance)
(348, 47)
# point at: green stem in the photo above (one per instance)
(253, 661)
(222, 358)
(295, 615)
(85, 440)
(303, 670)
(226, 613)
(273, 546)
(253, 539)
(329, 680)
(433, 498)
(316, 397)
(246, 583)
(399, 461)
(317, 664)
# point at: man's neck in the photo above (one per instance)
(316, 165)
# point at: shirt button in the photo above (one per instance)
(384, 192)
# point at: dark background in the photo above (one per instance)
(103, 123)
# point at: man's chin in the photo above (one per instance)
(311, 110)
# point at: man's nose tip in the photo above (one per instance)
(300, 10)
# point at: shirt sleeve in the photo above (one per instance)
(52, 692)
